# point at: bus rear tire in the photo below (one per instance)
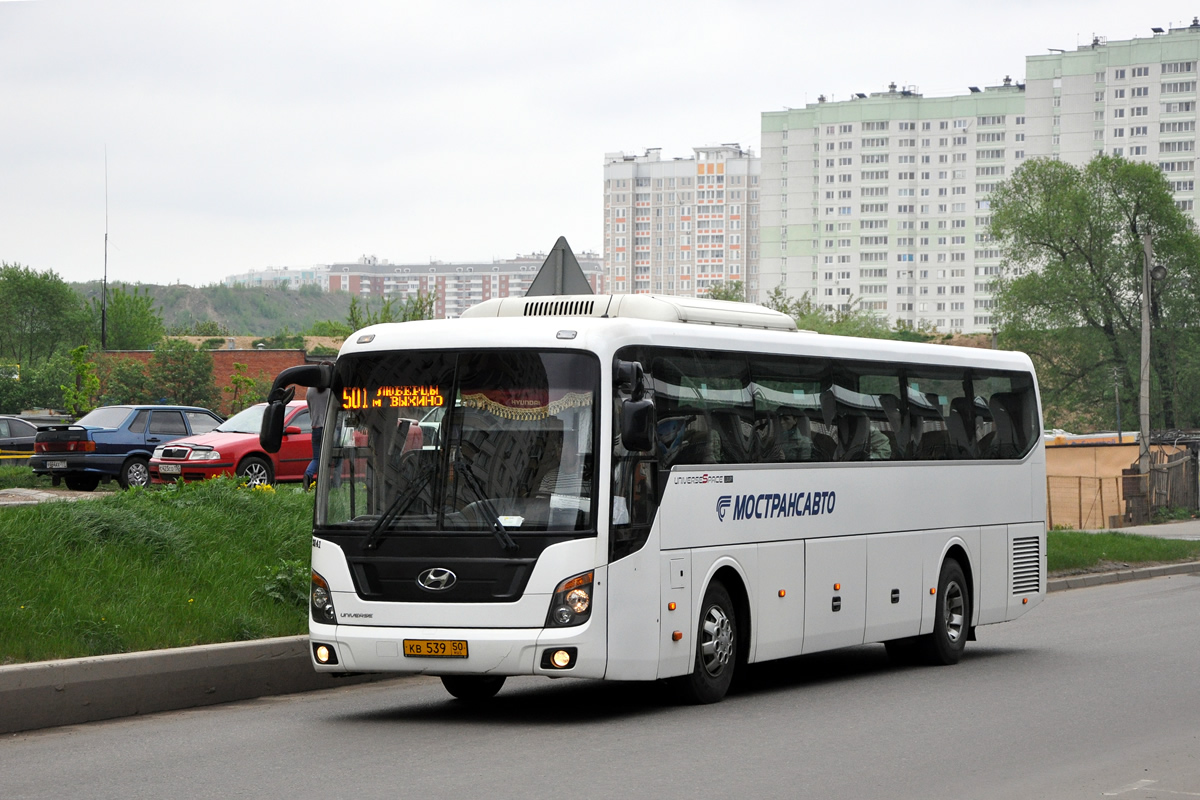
(716, 650)
(473, 688)
(951, 618)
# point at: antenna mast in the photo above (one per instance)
(104, 283)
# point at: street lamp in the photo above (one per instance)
(1150, 271)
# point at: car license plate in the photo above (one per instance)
(56, 465)
(168, 469)
(435, 648)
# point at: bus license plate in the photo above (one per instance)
(56, 465)
(168, 469)
(435, 648)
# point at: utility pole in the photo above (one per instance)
(1144, 389)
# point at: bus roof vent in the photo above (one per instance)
(559, 307)
(696, 311)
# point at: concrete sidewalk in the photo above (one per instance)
(47, 694)
(1180, 529)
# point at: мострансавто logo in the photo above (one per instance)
(776, 506)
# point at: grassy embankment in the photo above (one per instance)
(213, 562)
(1076, 551)
(141, 570)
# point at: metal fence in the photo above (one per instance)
(1090, 503)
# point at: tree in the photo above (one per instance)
(39, 315)
(392, 309)
(124, 380)
(243, 390)
(182, 374)
(734, 291)
(131, 321)
(1071, 289)
(79, 394)
(853, 321)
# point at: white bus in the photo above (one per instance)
(646, 488)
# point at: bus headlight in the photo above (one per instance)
(572, 602)
(321, 601)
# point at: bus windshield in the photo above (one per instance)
(452, 441)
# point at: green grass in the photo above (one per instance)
(140, 570)
(215, 562)
(1068, 551)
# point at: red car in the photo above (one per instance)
(232, 448)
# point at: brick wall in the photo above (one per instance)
(265, 364)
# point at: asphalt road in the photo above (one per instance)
(1092, 694)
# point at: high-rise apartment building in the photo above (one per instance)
(881, 201)
(679, 226)
(1134, 98)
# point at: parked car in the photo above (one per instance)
(16, 440)
(113, 442)
(232, 448)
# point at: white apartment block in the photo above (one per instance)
(681, 225)
(281, 277)
(881, 202)
(1134, 98)
(458, 286)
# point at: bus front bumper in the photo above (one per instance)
(489, 651)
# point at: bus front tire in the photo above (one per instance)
(473, 688)
(951, 618)
(716, 649)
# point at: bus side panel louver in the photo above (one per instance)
(560, 308)
(1026, 565)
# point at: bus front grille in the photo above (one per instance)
(1026, 565)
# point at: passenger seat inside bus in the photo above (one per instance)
(962, 427)
(903, 444)
(1009, 440)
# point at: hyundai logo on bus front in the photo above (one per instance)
(436, 579)
(772, 505)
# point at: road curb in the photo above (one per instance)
(47, 694)
(1120, 576)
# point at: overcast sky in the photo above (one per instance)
(248, 134)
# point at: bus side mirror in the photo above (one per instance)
(637, 425)
(637, 413)
(270, 435)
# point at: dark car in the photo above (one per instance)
(16, 440)
(114, 442)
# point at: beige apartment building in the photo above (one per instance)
(678, 226)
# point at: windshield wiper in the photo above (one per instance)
(502, 536)
(398, 507)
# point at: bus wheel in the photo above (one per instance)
(473, 688)
(951, 619)
(716, 649)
